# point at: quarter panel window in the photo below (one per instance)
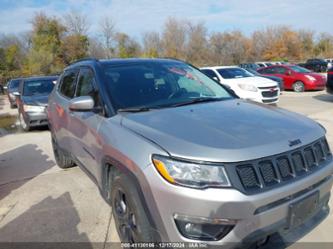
(67, 87)
(85, 85)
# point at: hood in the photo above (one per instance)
(256, 80)
(225, 131)
(40, 100)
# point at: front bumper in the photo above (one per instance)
(317, 85)
(262, 95)
(35, 119)
(231, 204)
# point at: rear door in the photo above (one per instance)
(86, 143)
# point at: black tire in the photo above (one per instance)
(24, 125)
(131, 221)
(62, 159)
(298, 86)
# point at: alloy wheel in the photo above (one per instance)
(126, 217)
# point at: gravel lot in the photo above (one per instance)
(41, 203)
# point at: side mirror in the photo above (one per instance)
(288, 72)
(17, 94)
(215, 78)
(5, 87)
(82, 104)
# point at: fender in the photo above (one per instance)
(108, 163)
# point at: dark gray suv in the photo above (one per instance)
(181, 159)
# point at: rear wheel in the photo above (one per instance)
(62, 159)
(298, 86)
(130, 218)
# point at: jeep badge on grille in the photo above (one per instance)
(294, 142)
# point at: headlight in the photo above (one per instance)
(311, 78)
(191, 174)
(33, 108)
(247, 87)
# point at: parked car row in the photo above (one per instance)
(315, 65)
(30, 96)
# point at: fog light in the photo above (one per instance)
(204, 229)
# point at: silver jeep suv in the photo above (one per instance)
(182, 159)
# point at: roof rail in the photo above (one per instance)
(84, 59)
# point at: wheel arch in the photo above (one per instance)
(110, 164)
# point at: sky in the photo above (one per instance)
(135, 17)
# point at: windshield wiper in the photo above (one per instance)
(196, 100)
(134, 109)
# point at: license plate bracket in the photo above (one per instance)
(303, 209)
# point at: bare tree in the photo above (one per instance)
(96, 49)
(228, 48)
(174, 38)
(197, 47)
(76, 23)
(152, 46)
(107, 26)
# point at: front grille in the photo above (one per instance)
(269, 94)
(284, 167)
(264, 174)
(248, 176)
(269, 100)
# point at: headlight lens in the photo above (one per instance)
(247, 87)
(33, 108)
(310, 77)
(191, 174)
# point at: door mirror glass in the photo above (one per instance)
(16, 94)
(82, 104)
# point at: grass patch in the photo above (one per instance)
(7, 122)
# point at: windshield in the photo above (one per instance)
(300, 69)
(233, 73)
(38, 87)
(14, 84)
(159, 84)
(252, 71)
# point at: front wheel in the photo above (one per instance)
(23, 124)
(130, 218)
(298, 86)
(62, 159)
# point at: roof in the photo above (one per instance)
(40, 78)
(220, 67)
(120, 61)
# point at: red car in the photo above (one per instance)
(296, 78)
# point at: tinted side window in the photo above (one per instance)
(267, 71)
(210, 73)
(280, 70)
(85, 85)
(67, 87)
